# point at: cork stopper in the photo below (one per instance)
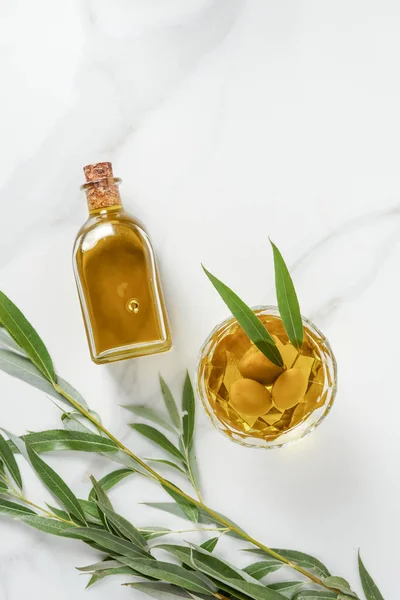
(101, 186)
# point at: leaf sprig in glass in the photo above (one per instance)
(265, 372)
(119, 546)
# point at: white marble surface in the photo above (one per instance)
(229, 120)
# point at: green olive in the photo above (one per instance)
(254, 365)
(250, 397)
(289, 388)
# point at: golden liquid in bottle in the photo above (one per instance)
(118, 284)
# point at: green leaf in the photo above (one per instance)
(101, 496)
(7, 343)
(315, 595)
(189, 509)
(171, 573)
(3, 487)
(170, 404)
(150, 414)
(22, 368)
(59, 513)
(26, 337)
(369, 586)
(111, 479)
(206, 562)
(248, 321)
(262, 568)
(210, 544)
(61, 439)
(159, 590)
(13, 509)
(10, 462)
(158, 438)
(169, 507)
(94, 579)
(90, 510)
(106, 540)
(299, 558)
(222, 571)
(56, 486)
(288, 303)
(256, 591)
(287, 588)
(46, 525)
(168, 463)
(189, 409)
(340, 584)
(100, 566)
(123, 526)
(150, 533)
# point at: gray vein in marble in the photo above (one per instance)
(362, 280)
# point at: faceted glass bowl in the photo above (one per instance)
(324, 399)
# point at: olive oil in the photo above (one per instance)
(117, 278)
(253, 398)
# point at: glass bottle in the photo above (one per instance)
(116, 275)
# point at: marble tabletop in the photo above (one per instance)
(229, 121)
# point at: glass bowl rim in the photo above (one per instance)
(274, 309)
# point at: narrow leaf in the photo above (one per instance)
(210, 544)
(10, 462)
(159, 590)
(287, 588)
(288, 303)
(7, 343)
(106, 540)
(171, 573)
(150, 414)
(205, 562)
(13, 509)
(369, 586)
(46, 525)
(90, 509)
(111, 479)
(256, 591)
(100, 566)
(22, 368)
(62, 439)
(299, 558)
(94, 579)
(170, 404)
(56, 486)
(315, 595)
(26, 337)
(189, 509)
(158, 438)
(59, 513)
(188, 407)
(3, 487)
(222, 571)
(101, 496)
(168, 463)
(123, 526)
(340, 584)
(262, 568)
(150, 533)
(248, 321)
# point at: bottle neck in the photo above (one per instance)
(103, 194)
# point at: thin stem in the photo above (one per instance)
(191, 476)
(167, 484)
(219, 529)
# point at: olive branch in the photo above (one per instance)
(195, 571)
